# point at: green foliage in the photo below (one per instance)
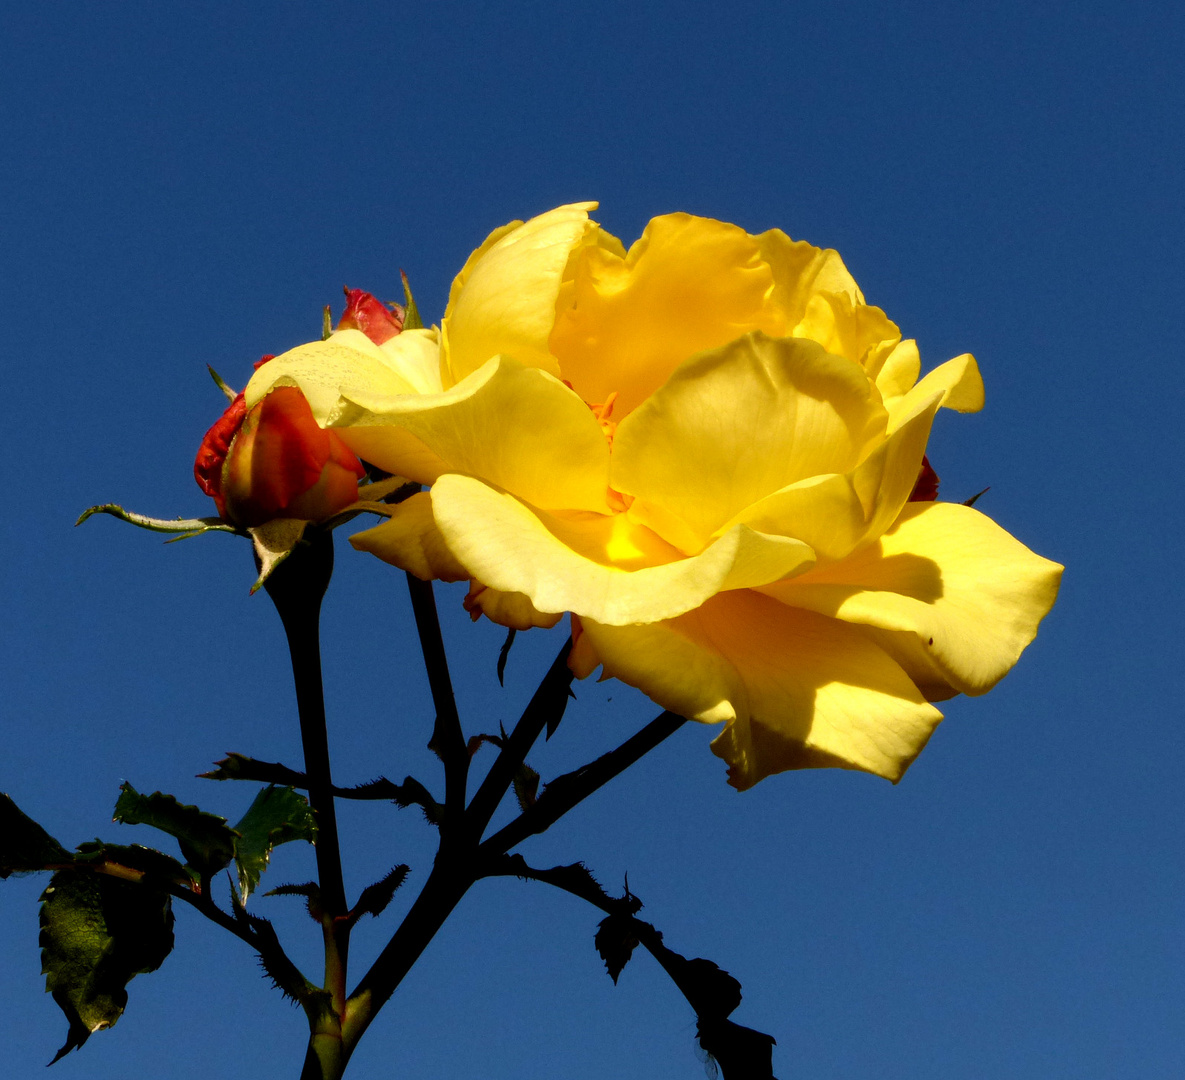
(25, 847)
(106, 858)
(207, 842)
(278, 815)
(97, 932)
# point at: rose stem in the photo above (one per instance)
(448, 740)
(564, 792)
(297, 587)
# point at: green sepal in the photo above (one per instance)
(184, 526)
(411, 314)
(220, 382)
(277, 816)
(274, 541)
(97, 932)
(25, 847)
(326, 323)
(207, 842)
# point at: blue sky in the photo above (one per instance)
(189, 184)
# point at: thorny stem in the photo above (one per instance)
(564, 792)
(547, 701)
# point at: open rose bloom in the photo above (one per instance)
(703, 448)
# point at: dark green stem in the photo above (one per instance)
(448, 740)
(546, 705)
(564, 792)
(297, 587)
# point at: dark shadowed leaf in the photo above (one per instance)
(503, 655)
(526, 786)
(207, 842)
(311, 892)
(615, 941)
(134, 857)
(376, 897)
(97, 932)
(741, 1053)
(240, 767)
(278, 815)
(25, 846)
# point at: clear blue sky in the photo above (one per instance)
(184, 184)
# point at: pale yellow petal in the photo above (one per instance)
(968, 594)
(800, 690)
(516, 427)
(410, 540)
(687, 285)
(736, 424)
(349, 360)
(504, 299)
(958, 381)
(598, 565)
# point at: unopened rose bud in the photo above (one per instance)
(273, 461)
(376, 320)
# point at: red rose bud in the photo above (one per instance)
(375, 319)
(273, 461)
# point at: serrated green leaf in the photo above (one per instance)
(98, 932)
(25, 847)
(207, 842)
(411, 314)
(278, 815)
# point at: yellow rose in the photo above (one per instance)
(704, 449)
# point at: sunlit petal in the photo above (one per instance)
(598, 565)
(800, 690)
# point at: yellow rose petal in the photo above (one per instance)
(687, 285)
(857, 331)
(736, 424)
(800, 690)
(410, 540)
(835, 514)
(349, 359)
(968, 594)
(601, 566)
(515, 426)
(503, 301)
(958, 381)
